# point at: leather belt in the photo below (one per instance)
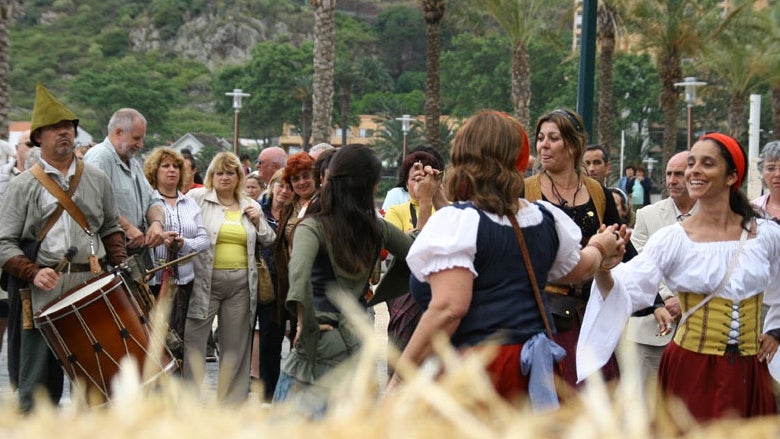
(76, 268)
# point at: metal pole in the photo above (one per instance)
(587, 64)
(690, 126)
(622, 152)
(403, 155)
(235, 131)
(754, 186)
(237, 94)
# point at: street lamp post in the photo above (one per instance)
(405, 121)
(237, 95)
(690, 83)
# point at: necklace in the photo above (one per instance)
(168, 196)
(562, 201)
(231, 204)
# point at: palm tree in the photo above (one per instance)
(6, 9)
(739, 58)
(433, 11)
(772, 39)
(521, 20)
(672, 30)
(322, 81)
(606, 30)
(302, 92)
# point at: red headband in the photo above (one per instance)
(736, 152)
(521, 164)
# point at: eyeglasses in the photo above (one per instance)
(258, 162)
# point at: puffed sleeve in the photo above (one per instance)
(448, 240)
(635, 286)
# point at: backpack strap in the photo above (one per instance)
(65, 202)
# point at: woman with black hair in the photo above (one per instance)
(400, 193)
(722, 262)
(335, 248)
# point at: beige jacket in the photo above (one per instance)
(213, 215)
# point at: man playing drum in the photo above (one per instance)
(29, 208)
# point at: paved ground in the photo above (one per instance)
(210, 382)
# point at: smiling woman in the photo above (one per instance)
(722, 261)
(299, 174)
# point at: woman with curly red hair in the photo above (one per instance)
(299, 174)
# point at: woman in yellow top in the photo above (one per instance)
(426, 196)
(226, 277)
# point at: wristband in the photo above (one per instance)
(600, 247)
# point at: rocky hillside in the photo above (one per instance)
(213, 32)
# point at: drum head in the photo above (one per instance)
(75, 296)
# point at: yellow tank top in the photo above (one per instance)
(230, 250)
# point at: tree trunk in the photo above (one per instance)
(6, 9)
(306, 115)
(344, 107)
(433, 13)
(521, 83)
(670, 71)
(324, 49)
(606, 42)
(775, 99)
(736, 119)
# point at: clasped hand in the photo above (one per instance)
(613, 239)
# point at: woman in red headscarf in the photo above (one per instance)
(722, 262)
(469, 272)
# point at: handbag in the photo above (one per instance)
(265, 285)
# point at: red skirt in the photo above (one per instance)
(504, 372)
(714, 386)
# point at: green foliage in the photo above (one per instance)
(270, 78)
(553, 79)
(475, 75)
(636, 90)
(401, 36)
(391, 103)
(113, 41)
(389, 146)
(126, 83)
(410, 81)
(168, 16)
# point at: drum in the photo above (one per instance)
(93, 326)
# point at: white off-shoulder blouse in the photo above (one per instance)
(683, 265)
(449, 240)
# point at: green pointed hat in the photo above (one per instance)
(48, 110)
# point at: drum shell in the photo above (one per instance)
(96, 329)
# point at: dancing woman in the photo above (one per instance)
(722, 262)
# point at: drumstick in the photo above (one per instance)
(66, 259)
(167, 264)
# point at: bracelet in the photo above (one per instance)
(600, 247)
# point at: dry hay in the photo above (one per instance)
(458, 403)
